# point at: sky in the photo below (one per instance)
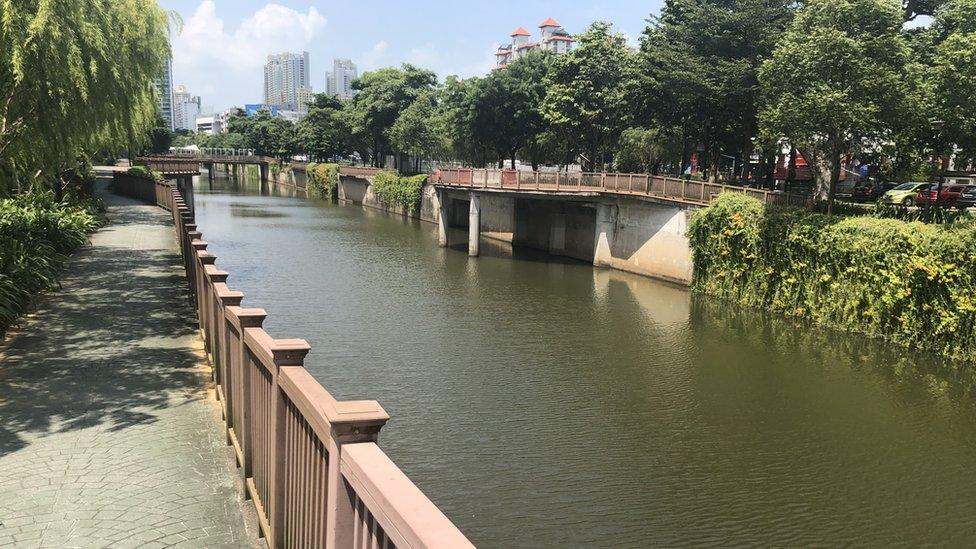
(221, 51)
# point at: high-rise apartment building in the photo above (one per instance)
(164, 92)
(284, 75)
(186, 108)
(338, 81)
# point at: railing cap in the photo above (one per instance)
(241, 317)
(281, 352)
(199, 244)
(226, 295)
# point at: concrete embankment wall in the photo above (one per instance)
(359, 190)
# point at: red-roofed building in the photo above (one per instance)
(553, 38)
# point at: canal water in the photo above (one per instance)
(542, 402)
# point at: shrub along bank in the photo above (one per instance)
(909, 282)
(321, 179)
(398, 190)
(36, 234)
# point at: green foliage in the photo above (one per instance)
(586, 103)
(394, 189)
(413, 132)
(324, 133)
(139, 170)
(383, 95)
(837, 79)
(321, 179)
(698, 71)
(160, 138)
(36, 234)
(504, 108)
(953, 79)
(643, 149)
(76, 78)
(909, 282)
(271, 136)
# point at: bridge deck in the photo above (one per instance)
(108, 433)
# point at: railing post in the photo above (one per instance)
(239, 393)
(557, 178)
(363, 426)
(285, 352)
(223, 297)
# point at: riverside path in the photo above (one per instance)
(109, 436)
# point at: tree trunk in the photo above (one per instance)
(821, 169)
(791, 170)
(835, 157)
(513, 157)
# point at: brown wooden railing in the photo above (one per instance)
(627, 184)
(310, 462)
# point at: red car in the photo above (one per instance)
(948, 196)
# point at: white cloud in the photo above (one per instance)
(205, 42)
(374, 58)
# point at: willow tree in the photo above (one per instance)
(76, 76)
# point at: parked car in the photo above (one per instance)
(948, 196)
(967, 199)
(903, 195)
(870, 191)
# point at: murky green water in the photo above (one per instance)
(542, 402)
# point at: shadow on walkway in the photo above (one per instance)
(105, 424)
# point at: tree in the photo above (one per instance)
(835, 80)
(414, 132)
(76, 76)
(383, 95)
(271, 136)
(699, 62)
(954, 76)
(160, 137)
(586, 102)
(644, 150)
(456, 116)
(324, 131)
(507, 104)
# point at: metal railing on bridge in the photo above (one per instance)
(310, 462)
(628, 184)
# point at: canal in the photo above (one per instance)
(542, 402)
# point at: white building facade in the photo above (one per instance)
(338, 81)
(552, 37)
(186, 108)
(284, 75)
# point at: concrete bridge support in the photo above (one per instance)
(606, 220)
(474, 225)
(442, 219)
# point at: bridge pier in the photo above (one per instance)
(605, 222)
(442, 218)
(474, 225)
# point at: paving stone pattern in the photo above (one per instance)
(109, 434)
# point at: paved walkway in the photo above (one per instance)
(109, 436)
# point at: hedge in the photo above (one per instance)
(321, 178)
(36, 234)
(908, 282)
(394, 189)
